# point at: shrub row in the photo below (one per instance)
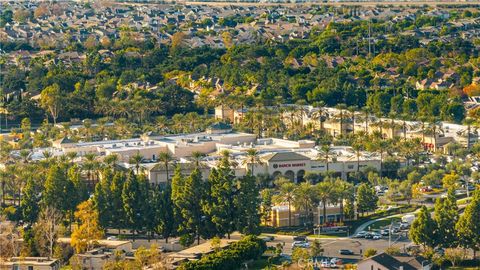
(249, 248)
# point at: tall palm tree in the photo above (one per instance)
(320, 115)
(325, 152)
(252, 159)
(468, 121)
(90, 165)
(366, 115)
(165, 157)
(324, 193)
(287, 194)
(136, 160)
(352, 110)
(305, 199)
(341, 116)
(381, 147)
(357, 147)
(343, 191)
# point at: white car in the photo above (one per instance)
(361, 234)
(376, 237)
(300, 244)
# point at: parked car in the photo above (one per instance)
(345, 252)
(267, 238)
(376, 237)
(360, 234)
(300, 244)
(368, 236)
(384, 232)
(300, 238)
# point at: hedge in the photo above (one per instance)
(249, 248)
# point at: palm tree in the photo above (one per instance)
(252, 159)
(366, 112)
(381, 147)
(320, 115)
(111, 160)
(352, 110)
(357, 147)
(287, 194)
(72, 156)
(165, 157)
(341, 117)
(90, 165)
(326, 150)
(305, 199)
(197, 157)
(468, 121)
(324, 193)
(137, 160)
(434, 129)
(25, 155)
(343, 191)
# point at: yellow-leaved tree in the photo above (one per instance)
(88, 231)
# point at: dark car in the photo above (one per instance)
(345, 252)
(368, 236)
(300, 238)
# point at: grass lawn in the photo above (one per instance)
(380, 214)
(464, 201)
(463, 268)
(328, 235)
(382, 223)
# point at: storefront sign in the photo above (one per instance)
(288, 165)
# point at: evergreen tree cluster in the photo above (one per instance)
(189, 207)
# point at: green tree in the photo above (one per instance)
(59, 191)
(286, 194)
(221, 207)
(316, 250)
(366, 198)
(446, 216)
(422, 230)
(468, 225)
(164, 223)
(134, 196)
(52, 100)
(165, 158)
(30, 201)
(370, 252)
(300, 255)
(189, 202)
(247, 204)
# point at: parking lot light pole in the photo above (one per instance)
(390, 234)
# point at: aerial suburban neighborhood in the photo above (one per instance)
(239, 135)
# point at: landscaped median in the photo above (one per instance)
(354, 224)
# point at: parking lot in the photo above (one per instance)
(332, 246)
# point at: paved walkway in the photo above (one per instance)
(370, 222)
